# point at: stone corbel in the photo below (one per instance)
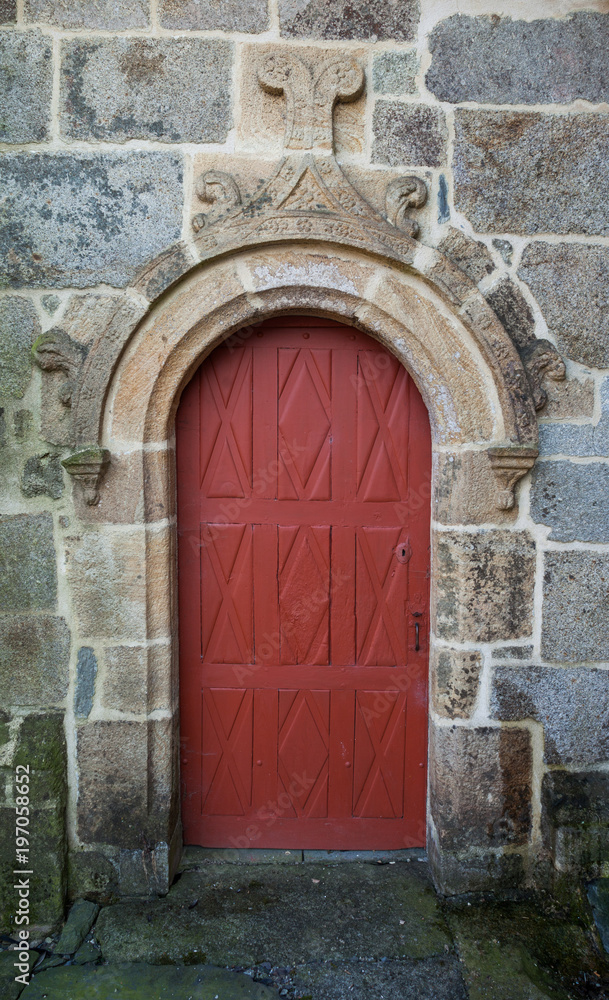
(218, 189)
(55, 351)
(509, 465)
(403, 194)
(541, 360)
(88, 466)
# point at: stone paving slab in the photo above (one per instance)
(145, 982)
(287, 914)
(429, 979)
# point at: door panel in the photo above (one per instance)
(303, 456)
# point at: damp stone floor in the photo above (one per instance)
(321, 927)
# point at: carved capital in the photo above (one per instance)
(541, 360)
(88, 466)
(509, 465)
(218, 189)
(55, 351)
(403, 194)
(310, 94)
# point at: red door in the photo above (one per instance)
(303, 457)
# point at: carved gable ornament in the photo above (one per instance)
(308, 199)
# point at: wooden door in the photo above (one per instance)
(303, 458)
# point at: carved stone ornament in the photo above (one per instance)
(510, 465)
(308, 190)
(541, 360)
(55, 351)
(87, 467)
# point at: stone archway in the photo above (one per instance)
(308, 243)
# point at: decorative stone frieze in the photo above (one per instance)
(510, 465)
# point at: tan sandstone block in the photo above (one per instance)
(161, 568)
(455, 677)
(466, 490)
(263, 115)
(273, 269)
(125, 684)
(568, 399)
(107, 577)
(112, 797)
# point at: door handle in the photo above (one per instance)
(416, 633)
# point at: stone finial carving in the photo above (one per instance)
(541, 360)
(221, 191)
(405, 193)
(509, 465)
(55, 351)
(310, 95)
(88, 467)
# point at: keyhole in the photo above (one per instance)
(403, 551)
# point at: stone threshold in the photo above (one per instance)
(193, 856)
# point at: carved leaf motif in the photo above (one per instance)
(405, 193)
(541, 360)
(55, 351)
(221, 190)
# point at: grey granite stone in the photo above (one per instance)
(112, 799)
(527, 172)
(139, 980)
(19, 328)
(505, 249)
(105, 14)
(86, 672)
(28, 573)
(571, 284)
(8, 11)
(50, 303)
(572, 500)
(173, 90)
(508, 302)
(81, 918)
(566, 439)
(598, 897)
(408, 135)
(42, 476)
(34, 658)
(575, 620)
(394, 72)
(376, 20)
(26, 83)
(472, 256)
(80, 218)
(214, 15)
(513, 653)
(499, 61)
(575, 820)
(571, 702)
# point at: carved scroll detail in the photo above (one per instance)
(405, 193)
(541, 360)
(221, 191)
(509, 465)
(55, 351)
(88, 467)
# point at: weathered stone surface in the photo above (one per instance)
(28, 573)
(506, 299)
(284, 915)
(466, 490)
(262, 118)
(107, 576)
(575, 623)
(173, 90)
(500, 61)
(560, 698)
(571, 499)
(105, 14)
(455, 679)
(480, 786)
(86, 672)
(91, 875)
(472, 256)
(216, 15)
(505, 250)
(34, 657)
(81, 917)
(579, 440)
(513, 653)
(112, 798)
(575, 820)
(427, 979)
(132, 982)
(408, 134)
(79, 219)
(19, 328)
(394, 73)
(485, 585)
(8, 11)
(25, 86)
(598, 897)
(126, 679)
(42, 476)
(530, 172)
(379, 19)
(567, 399)
(571, 284)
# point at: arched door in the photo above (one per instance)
(303, 462)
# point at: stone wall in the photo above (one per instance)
(110, 112)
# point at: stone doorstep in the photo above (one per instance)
(193, 856)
